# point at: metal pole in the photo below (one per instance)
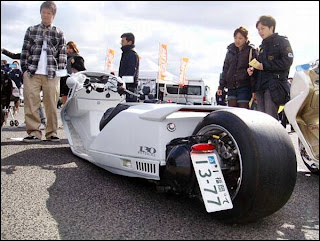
(158, 74)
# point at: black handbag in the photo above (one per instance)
(280, 91)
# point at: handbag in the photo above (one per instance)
(280, 91)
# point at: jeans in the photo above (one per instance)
(242, 95)
(132, 88)
(265, 103)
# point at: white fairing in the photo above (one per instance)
(299, 91)
(134, 142)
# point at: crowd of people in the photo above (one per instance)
(41, 62)
(240, 84)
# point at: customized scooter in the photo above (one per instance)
(239, 164)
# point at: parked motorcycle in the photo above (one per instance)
(240, 164)
(302, 112)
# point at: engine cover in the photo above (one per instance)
(178, 172)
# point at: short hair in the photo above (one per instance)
(50, 5)
(16, 62)
(267, 20)
(73, 46)
(242, 30)
(129, 37)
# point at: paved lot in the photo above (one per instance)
(48, 193)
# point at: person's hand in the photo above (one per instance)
(254, 97)
(219, 92)
(250, 71)
(72, 60)
(260, 66)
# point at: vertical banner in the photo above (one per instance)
(183, 66)
(163, 57)
(110, 58)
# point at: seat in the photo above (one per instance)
(110, 114)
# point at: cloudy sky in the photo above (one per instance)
(198, 30)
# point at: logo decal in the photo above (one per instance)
(212, 160)
(148, 151)
(270, 57)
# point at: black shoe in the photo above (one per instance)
(53, 138)
(31, 139)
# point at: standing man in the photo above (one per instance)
(43, 52)
(129, 64)
(275, 57)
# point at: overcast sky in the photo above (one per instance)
(200, 31)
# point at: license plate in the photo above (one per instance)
(213, 188)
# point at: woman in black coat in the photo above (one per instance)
(234, 75)
(75, 63)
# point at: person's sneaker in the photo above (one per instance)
(31, 139)
(42, 127)
(53, 138)
(22, 125)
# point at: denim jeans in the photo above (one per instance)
(265, 103)
(242, 95)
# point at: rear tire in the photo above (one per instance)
(264, 175)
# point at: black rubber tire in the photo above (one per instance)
(11, 123)
(305, 157)
(268, 163)
(3, 115)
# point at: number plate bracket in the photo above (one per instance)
(213, 188)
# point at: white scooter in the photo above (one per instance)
(239, 163)
(302, 112)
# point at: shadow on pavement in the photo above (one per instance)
(88, 202)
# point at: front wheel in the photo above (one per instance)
(307, 160)
(257, 160)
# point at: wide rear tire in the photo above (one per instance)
(264, 178)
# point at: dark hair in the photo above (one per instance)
(242, 30)
(50, 5)
(267, 20)
(129, 37)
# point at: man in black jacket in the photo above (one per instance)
(129, 63)
(275, 57)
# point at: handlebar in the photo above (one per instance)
(107, 86)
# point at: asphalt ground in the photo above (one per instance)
(48, 193)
